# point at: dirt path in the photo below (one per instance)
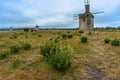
(96, 61)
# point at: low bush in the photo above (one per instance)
(106, 40)
(115, 42)
(60, 61)
(64, 35)
(50, 48)
(80, 31)
(16, 63)
(26, 46)
(14, 48)
(4, 54)
(89, 33)
(13, 37)
(84, 39)
(70, 36)
(26, 29)
(39, 35)
(57, 59)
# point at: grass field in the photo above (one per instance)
(93, 60)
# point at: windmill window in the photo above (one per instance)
(83, 20)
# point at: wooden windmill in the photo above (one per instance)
(86, 19)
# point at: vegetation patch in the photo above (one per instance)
(60, 61)
(84, 39)
(4, 54)
(49, 48)
(26, 46)
(115, 42)
(106, 40)
(67, 35)
(81, 31)
(14, 49)
(16, 63)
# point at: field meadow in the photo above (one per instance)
(93, 60)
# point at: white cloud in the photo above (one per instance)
(56, 11)
(53, 19)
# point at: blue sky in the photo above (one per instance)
(56, 13)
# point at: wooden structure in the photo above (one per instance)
(86, 19)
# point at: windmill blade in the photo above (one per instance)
(75, 16)
(98, 12)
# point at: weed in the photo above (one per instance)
(14, 48)
(89, 33)
(26, 46)
(84, 39)
(13, 37)
(70, 36)
(60, 61)
(39, 35)
(4, 54)
(16, 63)
(26, 29)
(50, 48)
(106, 40)
(64, 35)
(115, 42)
(80, 31)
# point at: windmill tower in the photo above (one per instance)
(86, 19)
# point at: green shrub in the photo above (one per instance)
(26, 46)
(70, 36)
(4, 54)
(64, 35)
(45, 50)
(67, 35)
(84, 39)
(107, 40)
(60, 61)
(13, 37)
(32, 30)
(50, 48)
(16, 63)
(14, 48)
(39, 35)
(26, 36)
(68, 31)
(115, 42)
(89, 33)
(80, 31)
(26, 29)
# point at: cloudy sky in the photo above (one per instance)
(56, 13)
